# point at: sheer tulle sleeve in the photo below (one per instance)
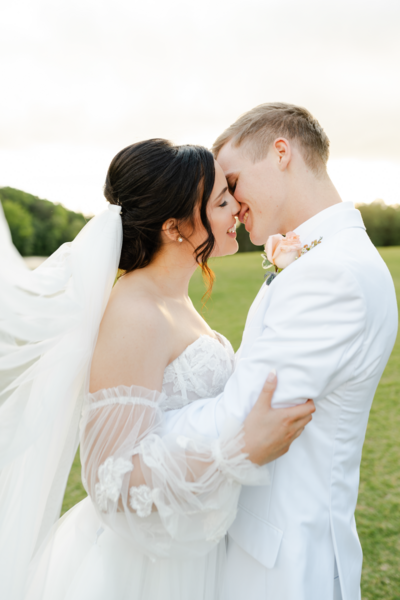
(168, 494)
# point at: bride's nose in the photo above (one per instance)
(236, 207)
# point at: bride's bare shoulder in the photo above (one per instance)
(134, 342)
(133, 298)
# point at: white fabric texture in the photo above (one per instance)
(168, 499)
(129, 469)
(49, 321)
(327, 323)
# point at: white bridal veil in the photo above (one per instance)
(49, 319)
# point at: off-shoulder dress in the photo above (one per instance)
(153, 525)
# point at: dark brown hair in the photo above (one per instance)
(259, 127)
(154, 181)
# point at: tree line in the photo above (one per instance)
(38, 227)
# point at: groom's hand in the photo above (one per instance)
(268, 432)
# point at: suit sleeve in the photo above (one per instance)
(312, 331)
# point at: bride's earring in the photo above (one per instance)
(180, 239)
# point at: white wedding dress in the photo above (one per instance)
(112, 545)
(153, 525)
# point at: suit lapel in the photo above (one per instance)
(256, 303)
(345, 219)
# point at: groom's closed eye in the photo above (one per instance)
(232, 182)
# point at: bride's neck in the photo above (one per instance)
(171, 270)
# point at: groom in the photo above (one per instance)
(327, 323)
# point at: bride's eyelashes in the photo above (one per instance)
(224, 203)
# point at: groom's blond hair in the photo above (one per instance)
(257, 129)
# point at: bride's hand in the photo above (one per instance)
(268, 432)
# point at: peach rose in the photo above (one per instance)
(281, 251)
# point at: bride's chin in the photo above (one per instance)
(230, 249)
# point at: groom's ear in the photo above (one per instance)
(170, 229)
(283, 152)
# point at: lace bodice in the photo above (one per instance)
(174, 493)
(201, 371)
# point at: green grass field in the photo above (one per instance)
(238, 279)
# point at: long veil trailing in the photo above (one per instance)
(49, 321)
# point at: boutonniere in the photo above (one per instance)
(282, 250)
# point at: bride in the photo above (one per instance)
(76, 349)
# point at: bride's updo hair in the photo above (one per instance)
(154, 181)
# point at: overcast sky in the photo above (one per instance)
(82, 79)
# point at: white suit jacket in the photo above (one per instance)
(328, 324)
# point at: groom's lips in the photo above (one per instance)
(242, 213)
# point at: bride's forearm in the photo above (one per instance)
(129, 463)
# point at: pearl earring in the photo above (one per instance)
(180, 239)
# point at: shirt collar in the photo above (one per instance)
(306, 229)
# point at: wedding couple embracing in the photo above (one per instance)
(208, 476)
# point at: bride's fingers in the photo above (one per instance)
(299, 424)
(303, 422)
(302, 411)
(269, 433)
(285, 448)
(298, 433)
(268, 389)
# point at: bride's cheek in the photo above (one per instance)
(217, 243)
(218, 237)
